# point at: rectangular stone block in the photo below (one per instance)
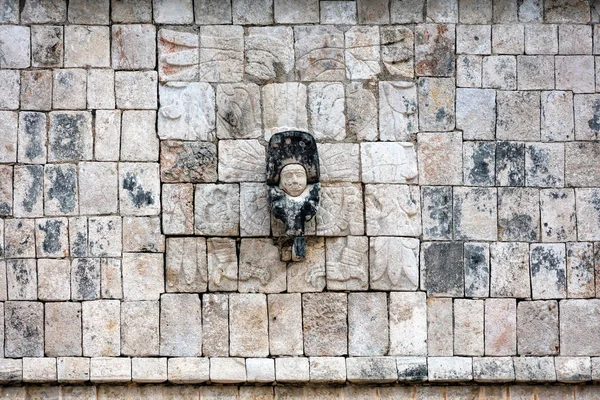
(407, 324)
(557, 116)
(518, 115)
(534, 369)
(326, 110)
(411, 369)
(11, 370)
(557, 207)
(73, 369)
(261, 268)
(362, 51)
(188, 370)
(510, 270)
(537, 328)
(436, 104)
(434, 49)
(260, 370)
(535, 72)
(101, 321)
(180, 336)
(578, 322)
(284, 107)
(215, 325)
(518, 214)
(448, 369)
(367, 324)
(70, 87)
(580, 270)
(435, 169)
(548, 271)
(588, 214)
(19, 238)
(575, 73)
(319, 53)
(140, 328)
(47, 42)
(371, 369)
(222, 264)
(580, 159)
(392, 210)
(225, 220)
(143, 234)
(325, 336)
(100, 88)
(437, 212)
(361, 112)
(442, 269)
(347, 263)
(105, 236)
(440, 328)
(269, 52)
(544, 165)
(510, 164)
(32, 135)
(85, 279)
(394, 263)
(222, 59)
(248, 332)
(98, 188)
(388, 162)
(62, 332)
(327, 369)
(22, 279)
(136, 89)
(285, 324)
(339, 210)
(24, 319)
(78, 237)
(110, 369)
(493, 369)
(28, 191)
(475, 213)
(227, 370)
(468, 327)
(398, 111)
(186, 265)
(178, 209)
(241, 161)
(573, 369)
(477, 269)
(500, 327)
(39, 370)
(149, 370)
(61, 194)
(143, 276)
(291, 369)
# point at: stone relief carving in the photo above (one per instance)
(340, 212)
(394, 263)
(177, 55)
(217, 209)
(222, 264)
(347, 263)
(398, 115)
(186, 265)
(238, 111)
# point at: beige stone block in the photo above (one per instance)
(340, 210)
(217, 209)
(62, 333)
(143, 276)
(368, 333)
(260, 370)
(325, 323)
(149, 370)
(238, 106)
(440, 158)
(101, 321)
(285, 324)
(393, 263)
(215, 325)
(347, 263)
(248, 331)
(188, 370)
(227, 370)
(500, 327)
(222, 264)
(110, 278)
(260, 267)
(178, 209)
(186, 265)
(398, 111)
(284, 107)
(110, 369)
(413, 339)
(180, 336)
(139, 328)
(392, 210)
(73, 369)
(39, 370)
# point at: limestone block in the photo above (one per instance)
(442, 269)
(222, 55)
(477, 269)
(10, 12)
(296, 11)
(149, 370)
(69, 89)
(475, 213)
(101, 321)
(36, 90)
(362, 53)
(85, 279)
(578, 322)
(269, 52)
(14, 50)
(534, 369)
(510, 164)
(392, 210)
(508, 39)
(535, 72)
(248, 323)
(142, 276)
(180, 336)
(140, 328)
(469, 71)
(32, 134)
(448, 369)
(105, 235)
(19, 239)
(327, 369)
(285, 324)
(186, 265)
(107, 134)
(62, 333)
(324, 324)
(241, 161)
(110, 278)
(284, 107)
(54, 279)
(548, 271)
(246, 12)
(23, 319)
(326, 107)
(70, 136)
(217, 209)
(518, 115)
(177, 209)
(443, 11)
(440, 158)
(340, 210)
(139, 189)
(411, 369)
(238, 111)
(388, 163)
(61, 193)
(544, 165)
(573, 369)
(227, 370)
(407, 12)
(408, 324)
(254, 210)
(28, 191)
(52, 239)
(131, 11)
(87, 46)
(563, 11)
(580, 270)
(436, 212)
(11, 370)
(479, 163)
(347, 263)
(434, 49)
(493, 369)
(21, 279)
(292, 369)
(215, 325)
(138, 136)
(136, 89)
(518, 214)
(319, 53)
(85, 12)
(308, 275)
(188, 370)
(575, 73)
(473, 12)
(586, 109)
(9, 89)
(398, 111)
(142, 234)
(8, 136)
(468, 327)
(537, 328)
(78, 236)
(557, 117)
(361, 112)
(6, 190)
(509, 263)
(178, 55)
(338, 12)
(367, 324)
(186, 111)
(73, 370)
(46, 45)
(133, 47)
(222, 264)
(371, 369)
(260, 370)
(178, 12)
(394, 263)
(541, 38)
(473, 39)
(397, 47)
(110, 369)
(476, 113)
(579, 164)
(39, 370)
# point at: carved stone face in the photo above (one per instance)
(293, 179)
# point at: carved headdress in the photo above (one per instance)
(292, 147)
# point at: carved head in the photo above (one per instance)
(293, 179)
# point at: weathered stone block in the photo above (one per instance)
(473, 39)
(52, 238)
(269, 52)
(548, 271)
(28, 191)
(324, 323)
(367, 324)
(493, 369)
(8, 136)
(178, 12)
(434, 49)
(15, 46)
(227, 370)
(338, 12)
(339, 210)
(136, 89)
(537, 328)
(149, 370)
(215, 325)
(541, 38)
(24, 320)
(138, 136)
(394, 263)
(510, 164)
(104, 236)
(362, 52)
(557, 116)
(580, 270)
(54, 280)
(518, 115)
(87, 46)
(110, 278)
(534, 369)
(260, 267)
(142, 234)
(62, 323)
(238, 111)
(398, 111)
(139, 189)
(479, 166)
(371, 369)
(544, 165)
(448, 369)
(84, 12)
(292, 369)
(11, 370)
(101, 321)
(46, 45)
(308, 275)
(477, 269)
(319, 53)
(177, 209)
(110, 369)
(535, 72)
(573, 369)
(248, 321)
(36, 90)
(477, 122)
(326, 107)
(73, 370)
(222, 55)
(408, 324)
(186, 265)
(518, 214)
(32, 137)
(500, 327)
(397, 48)
(107, 133)
(133, 46)
(140, 327)
(440, 158)
(222, 264)
(39, 370)
(588, 225)
(21, 279)
(217, 209)
(260, 370)
(78, 236)
(509, 270)
(575, 73)
(327, 369)
(60, 190)
(347, 263)
(143, 277)
(178, 55)
(6, 190)
(436, 104)
(180, 336)
(70, 136)
(284, 107)
(361, 112)
(241, 160)
(564, 11)
(475, 213)
(442, 269)
(285, 324)
(578, 332)
(188, 370)
(85, 279)
(392, 210)
(252, 13)
(508, 38)
(70, 89)
(288, 12)
(19, 240)
(131, 11)
(468, 327)
(468, 71)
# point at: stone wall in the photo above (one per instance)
(458, 234)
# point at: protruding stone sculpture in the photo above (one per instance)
(294, 188)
